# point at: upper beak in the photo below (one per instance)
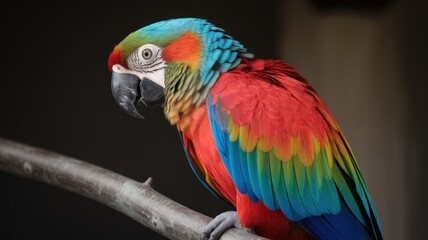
(130, 90)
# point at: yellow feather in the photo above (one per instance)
(234, 133)
(247, 142)
(328, 151)
(288, 148)
(316, 145)
(265, 144)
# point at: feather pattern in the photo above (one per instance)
(285, 149)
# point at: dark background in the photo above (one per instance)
(55, 94)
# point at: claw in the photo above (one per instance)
(220, 224)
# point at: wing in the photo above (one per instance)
(281, 146)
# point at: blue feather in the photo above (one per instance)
(224, 56)
(283, 201)
(264, 180)
(252, 172)
(243, 160)
(339, 226)
(235, 164)
(227, 43)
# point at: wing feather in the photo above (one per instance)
(286, 150)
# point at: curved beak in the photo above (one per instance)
(132, 91)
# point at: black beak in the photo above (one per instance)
(129, 90)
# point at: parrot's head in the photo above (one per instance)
(174, 62)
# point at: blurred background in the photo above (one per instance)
(367, 60)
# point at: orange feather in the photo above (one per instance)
(185, 49)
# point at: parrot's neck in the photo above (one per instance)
(180, 113)
(182, 92)
(186, 119)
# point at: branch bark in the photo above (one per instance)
(136, 200)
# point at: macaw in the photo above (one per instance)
(255, 132)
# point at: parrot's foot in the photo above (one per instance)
(220, 224)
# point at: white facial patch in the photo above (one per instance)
(157, 76)
(147, 62)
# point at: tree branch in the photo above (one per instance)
(136, 200)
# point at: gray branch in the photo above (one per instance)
(136, 200)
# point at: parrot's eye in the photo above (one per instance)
(147, 54)
(144, 58)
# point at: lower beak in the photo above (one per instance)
(129, 91)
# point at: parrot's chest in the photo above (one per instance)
(203, 155)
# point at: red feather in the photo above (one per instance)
(115, 58)
(199, 144)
